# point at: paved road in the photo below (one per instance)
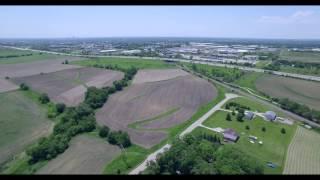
(153, 156)
(306, 77)
(208, 114)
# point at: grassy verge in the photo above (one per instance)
(136, 125)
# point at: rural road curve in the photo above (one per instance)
(197, 123)
(200, 61)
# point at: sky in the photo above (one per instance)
(284, 22)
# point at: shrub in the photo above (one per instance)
(119, 138)
(263, 129)
(247, 127)
(60, 107)
(228, 117)
(104, 131)
(44, 98)
(283, 131)
(24, 87)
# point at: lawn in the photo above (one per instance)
(275, 143)
(22, 122)
(126, 63)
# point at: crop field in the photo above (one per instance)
(300, 56)
(34, 68)
(69, 86)
(159, 105)
(6, 85)
(22, 122)
(126, 63)
(148, 75)
(274, 145)
(86, 155)
(302, 91)
(303, 156)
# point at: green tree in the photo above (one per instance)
(60, 107)
(228, 117)
(104, 131)
(283, 131)
(44, 98)
(263, 129)
(24, 87)
(247, 127)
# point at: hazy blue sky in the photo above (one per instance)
(179, 21)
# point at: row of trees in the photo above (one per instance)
(76, 120)
(199, 155)
(299, 109)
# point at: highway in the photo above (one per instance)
(300, 76)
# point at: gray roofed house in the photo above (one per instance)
(270, 115)
(230, 135)
(248, 115)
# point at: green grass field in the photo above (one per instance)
(303, 155)
(126, 63)
(24, 59)
(128, 159)
(248, 80)
(275, 143)
(22, 122)
(299, 56)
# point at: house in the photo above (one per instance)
(230, 135)
(270, 115)
(248, 115)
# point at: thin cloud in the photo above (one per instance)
(297, 17)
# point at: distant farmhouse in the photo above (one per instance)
(230, 135)
(270, 115)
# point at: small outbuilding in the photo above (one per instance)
(248, 115)
(270, 115)
(230, 135)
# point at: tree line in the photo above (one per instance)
(299, 109)
(77, 120)
(203, 154)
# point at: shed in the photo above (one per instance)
(230, 135)
(270, 115)
(248, 115)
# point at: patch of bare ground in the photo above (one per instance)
(86, 155)
(68, 86)
(36, 67)
(152, 75)
(6, 85)
(144, 101)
